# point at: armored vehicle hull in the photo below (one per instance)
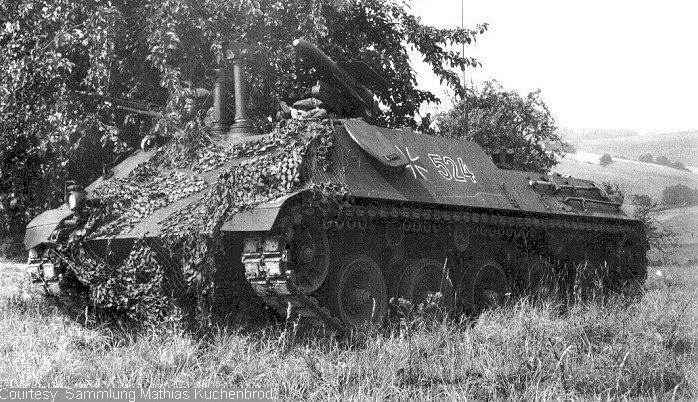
(327, 218)
(330, 226)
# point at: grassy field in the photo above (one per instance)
(640, 349)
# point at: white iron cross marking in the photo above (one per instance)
(416, 169)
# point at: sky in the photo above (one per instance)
(620, 65)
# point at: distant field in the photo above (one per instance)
(633, 177)
(676, 146)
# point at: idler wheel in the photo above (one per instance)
(309, 254)
(356, 291)
(423, 278)
(483, 286)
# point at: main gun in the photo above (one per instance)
(342, 87)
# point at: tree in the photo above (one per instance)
(153, 51)
(499, 120)
(605, 159)
(659, 237)
(647, 158)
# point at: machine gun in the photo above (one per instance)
(141, 108)
(343, 87)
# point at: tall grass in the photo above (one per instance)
(643, 348)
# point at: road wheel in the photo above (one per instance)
(356, 291)
(423, 278)
(483, 286)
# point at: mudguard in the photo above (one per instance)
(258, 219)
(40, 228)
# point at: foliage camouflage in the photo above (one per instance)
(273, 166)
(136, 289)
(155, 51)
(191, 149)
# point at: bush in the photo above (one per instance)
(605, 159)
(678, 165)
(659, 238)
(663, 160)
(679, 195)
(647, 158)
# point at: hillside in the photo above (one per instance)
(634, 177)
(682, 146)
(582, 135)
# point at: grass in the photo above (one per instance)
(642, 349)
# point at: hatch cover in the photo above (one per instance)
(373, 142)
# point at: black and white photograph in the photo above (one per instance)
(214, 200)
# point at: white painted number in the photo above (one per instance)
(450, 169)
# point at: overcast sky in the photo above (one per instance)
(600, 64)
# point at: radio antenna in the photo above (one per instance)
(465, 107)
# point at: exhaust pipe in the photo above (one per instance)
(242, 126)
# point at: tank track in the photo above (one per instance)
(282, 294)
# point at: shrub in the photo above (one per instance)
(679, 195)
(663, 160)
(605, 159)
(659, 238)
(647, 158)
(678, 165)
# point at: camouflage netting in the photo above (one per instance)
(129, 200)
(182, 259)
(194, 150)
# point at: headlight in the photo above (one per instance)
(33, 253)
(76, 200)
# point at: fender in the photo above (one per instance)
(260, 218)
(40, 228)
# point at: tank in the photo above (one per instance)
(329, 217)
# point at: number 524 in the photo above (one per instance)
(450, 169)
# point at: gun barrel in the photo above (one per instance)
(124, 104)
(328, 68)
